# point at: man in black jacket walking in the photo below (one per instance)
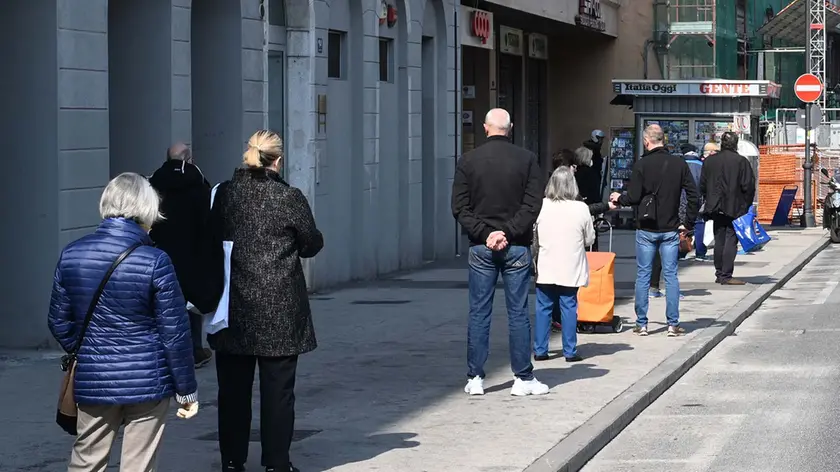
(184, 236)
(656, 185)
(496, 197)
(728, 185)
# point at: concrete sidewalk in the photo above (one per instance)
(384, 390)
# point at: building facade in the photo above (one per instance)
(550, 64)
(363, 91)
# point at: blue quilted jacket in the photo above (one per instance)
(138, 346)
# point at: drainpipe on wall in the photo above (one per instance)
(455, 7)
(645, 54)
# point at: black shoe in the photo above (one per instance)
(274, 469)
(541, 357)
(202, 358)
(233, 467)
(574, 359)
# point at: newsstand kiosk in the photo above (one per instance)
(689, 111)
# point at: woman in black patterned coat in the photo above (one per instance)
(270, 323)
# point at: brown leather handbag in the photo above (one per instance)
(686, 242)
(68, 411)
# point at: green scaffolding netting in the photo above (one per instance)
(782, 68)
(692, 56)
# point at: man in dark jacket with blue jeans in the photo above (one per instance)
(656, 185)
(496, 197)
(695, 165)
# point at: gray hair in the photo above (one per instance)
(583, 156)
(562, 185)
(654, 134)
(499, 119)
(130, 196)
(179, 152)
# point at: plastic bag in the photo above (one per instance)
(709, 234)
(218, 320)
(749, 232)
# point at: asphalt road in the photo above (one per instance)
(766, 399)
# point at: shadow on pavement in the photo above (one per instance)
(589, 350)
(554, 376)
(700, 323)
(350, 451)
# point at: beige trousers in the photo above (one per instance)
(98, 427)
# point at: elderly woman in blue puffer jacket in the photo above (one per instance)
(137, 352)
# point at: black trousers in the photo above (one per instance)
(277, 407)
(726, 248)
(197, 330)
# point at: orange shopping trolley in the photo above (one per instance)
(596, 301)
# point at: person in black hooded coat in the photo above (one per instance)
(184, 235)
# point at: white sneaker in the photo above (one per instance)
(475, 386)
(522, 388)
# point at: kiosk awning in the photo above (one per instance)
(789, 22)
(697, 88)
(695, 97)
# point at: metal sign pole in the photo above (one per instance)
(808, 220)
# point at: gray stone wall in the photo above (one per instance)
(384, 230)
(82, 115)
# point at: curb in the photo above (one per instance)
(582, 444)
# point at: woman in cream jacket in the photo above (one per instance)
(563, 231)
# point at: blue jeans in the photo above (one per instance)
(668, 245)
(550, 297)
(699, 231)
(514, 264)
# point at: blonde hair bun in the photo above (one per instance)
(264, 148)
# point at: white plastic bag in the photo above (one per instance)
(709, 234)
(218, 320)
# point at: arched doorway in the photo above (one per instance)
(276, 71)
(433, 130)
(393, 228)
(29, 199)
(339, 194)
(139, 84)
(217, 85)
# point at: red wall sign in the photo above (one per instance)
(392, 16)
(480, 26)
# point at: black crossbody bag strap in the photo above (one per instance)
(656, 192)
(97, 294)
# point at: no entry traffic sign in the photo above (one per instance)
(808, 88)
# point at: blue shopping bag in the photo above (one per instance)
(750, 233)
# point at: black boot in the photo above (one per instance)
(231, 466)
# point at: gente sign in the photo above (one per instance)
(728, 89)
